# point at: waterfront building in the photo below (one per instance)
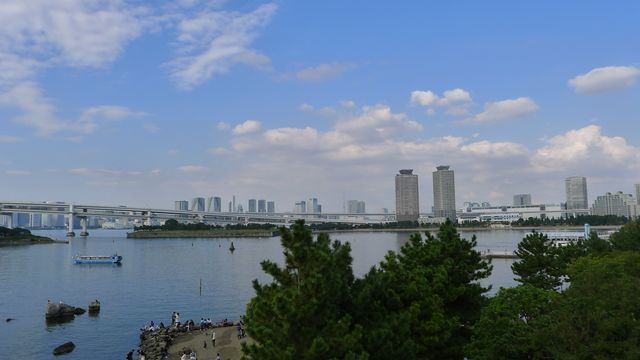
(240, 208)
(181, 205)
(234, 204)
(576, 191)
(271, 207)
(312, 206)
(407, 198)
(522, 200)
(638, 193)
(501, 214)
(262, 206)
(444, 193)
(253, 206)
(619, 204)
(355, 207)
(197, 204)
(230, 206)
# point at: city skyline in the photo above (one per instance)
(147, 114)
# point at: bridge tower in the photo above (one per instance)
(70, 232)
(84, 222)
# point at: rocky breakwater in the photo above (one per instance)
(155, 343)
(62, 311)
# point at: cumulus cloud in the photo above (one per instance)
(506, 109)
(192, 169)
(222, 125)
(448, 98)
(211, 42)
(582, 146)
(323, 111)
(605, 79)
(247, 127)
(377, 120)
(323, 72)
(494, 149)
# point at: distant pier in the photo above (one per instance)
(498, 255)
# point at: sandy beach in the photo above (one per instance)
(227, 344)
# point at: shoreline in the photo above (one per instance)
(460, 229)
(189, 234)
(30, 240)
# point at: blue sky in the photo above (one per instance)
(142, 103)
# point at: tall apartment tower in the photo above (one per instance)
(444, 193)
(522, 200)
(217, 204)
(638, 193)
(197, 204)
(576, 189)
(252, 206)
(262, 206)
(181, 205)
(271, 207)
(407, 199)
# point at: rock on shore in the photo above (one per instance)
(56, 311)
(64, 348)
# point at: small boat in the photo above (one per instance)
(89, 259)
(232, 248)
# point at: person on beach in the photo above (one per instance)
(177, 319)
(218, 357)
(173, 318)
(130, 355)
(204, 344)
(213, 338)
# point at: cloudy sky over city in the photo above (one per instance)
(145, 102)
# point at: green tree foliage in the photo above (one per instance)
(538, 263)
(598, 317)
(305, 313)
(628, 237)
(423, 301)
(507, 326)
(579, 220)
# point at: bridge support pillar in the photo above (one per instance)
(9, 220)
(70, 232)
(84, 222)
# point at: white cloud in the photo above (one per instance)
(110, 112)
(222, 125)
(506, 109)
(323, 71)
(192, 168)
(10, 139)
(494, 149)
(585, 146)
(247, 127)
(323, 111)
(17, 173)
(212, 42)
(424, 98)
(456, 101)
(377, 120)
(455, 96)
(348, 104)
(605, 79)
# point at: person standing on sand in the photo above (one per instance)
(218, 357)
(213, 338)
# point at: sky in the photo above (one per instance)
(141, 103)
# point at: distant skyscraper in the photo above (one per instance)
(576, 190)
(217, 204)
(312, 206)
(355, 207)
(407, 198)
(300, 207)
(240, 209)
(522, 200)
(252, 206)
(230, 206)
(444, 193)
(234, 204)
(638, 193)
(210, 204)
(197, 204)
(271, 207)
(262, 206)
(181, 205)
(619, 204)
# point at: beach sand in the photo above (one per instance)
(227, 344)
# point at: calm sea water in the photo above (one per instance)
(157, 277)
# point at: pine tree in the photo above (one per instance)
(538, 264)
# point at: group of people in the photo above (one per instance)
(141, 355)
(152, 327)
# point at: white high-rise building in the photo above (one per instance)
(619, 204)
(197, 204)
(252, 206)
(522, 200)
(355, 207)
(444, 193)
(262, 206)
(638, 193)
(407, 197)
(576, 190)
(271, 207)
(300, 207)
(181, 205)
